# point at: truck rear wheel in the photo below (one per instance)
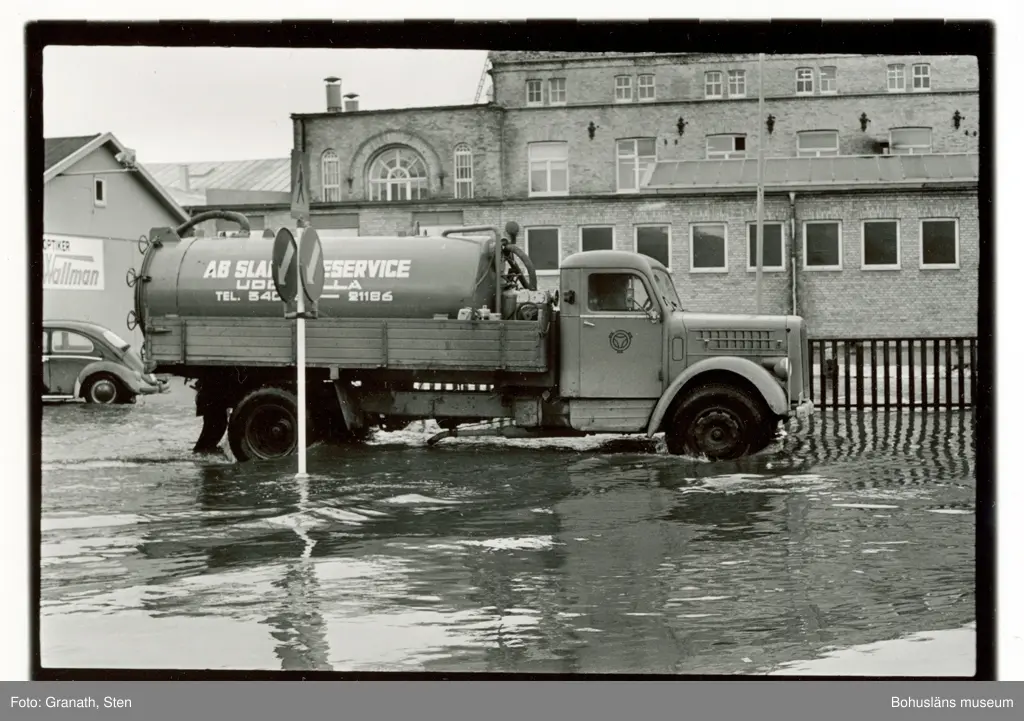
(719, 421)
(264, 426)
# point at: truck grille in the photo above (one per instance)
(759, 341)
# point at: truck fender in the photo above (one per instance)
(772, 393)
(114, 369)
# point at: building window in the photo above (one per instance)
(634, 158)
(534, 92)
(880, 245)
(544, 249)
(726, 146)
(817, 143)
(713, 84)
(99, 192)
(910, 141)
(940, 243)
(654, 241)
(708, 248)
(556, 91)
(645, 88)
(398, 174)
(597, 238)
(463, 171)
(330, 176)
(623, 88)
(804, 81)
(549, 168)
(922, 78)
(737, 83)
(772, 250)
(823, 245)
(897, 78)
(828, 81)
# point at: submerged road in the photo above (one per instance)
(570, 556)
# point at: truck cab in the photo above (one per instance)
(632, 359)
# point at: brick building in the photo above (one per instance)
(872, 168)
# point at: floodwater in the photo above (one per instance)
(593, 556)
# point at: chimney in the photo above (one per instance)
(351, 102)
(184, 178)
(333, 94)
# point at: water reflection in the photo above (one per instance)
(607, 556)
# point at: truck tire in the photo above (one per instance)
(104, 389)
(721, 422)
(264, 426)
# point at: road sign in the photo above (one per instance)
(311, 264)
(300, 185)
(285, 265)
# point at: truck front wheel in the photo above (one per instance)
(264, 426)
(720, 422)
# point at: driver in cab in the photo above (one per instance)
(611, 292)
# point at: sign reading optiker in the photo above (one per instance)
(71, 263)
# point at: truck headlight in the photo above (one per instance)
(781, 368)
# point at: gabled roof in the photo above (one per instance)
(68, 151)
(853, 172)
(57, 149)
(273, 175)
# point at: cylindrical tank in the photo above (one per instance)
(381, 277)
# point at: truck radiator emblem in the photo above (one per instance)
(620, 340)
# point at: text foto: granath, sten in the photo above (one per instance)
(57, 702)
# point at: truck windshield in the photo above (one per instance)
(667, 290)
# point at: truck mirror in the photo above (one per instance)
(569, 297)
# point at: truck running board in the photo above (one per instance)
(504, 432)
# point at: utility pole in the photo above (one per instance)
(760, 176)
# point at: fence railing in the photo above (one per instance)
(893, 372)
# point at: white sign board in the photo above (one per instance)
(71, 263)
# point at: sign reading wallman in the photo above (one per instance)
(72, 263)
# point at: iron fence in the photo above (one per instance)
(893, 372)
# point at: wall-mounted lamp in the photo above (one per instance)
(957, 119)
(349, 180)
(864, 120)
(591, 129)
(681, 126)
(770, 123)
(441, 175)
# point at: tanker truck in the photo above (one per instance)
(452, 328)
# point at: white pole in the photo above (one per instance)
(301, 372)
(760, 176)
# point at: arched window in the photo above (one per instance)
(330, 176)
(398, 174)
(463, 171)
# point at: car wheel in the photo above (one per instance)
(720, 422)
(104, 389)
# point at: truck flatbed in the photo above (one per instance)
(354, 343)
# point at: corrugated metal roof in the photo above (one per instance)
(840, 170)
(271, 175)
(59, 148)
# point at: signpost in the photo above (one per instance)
(760, 178)
(298, 270)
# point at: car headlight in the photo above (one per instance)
(782, 368)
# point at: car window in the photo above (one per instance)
(68, 342)
(611, 292)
